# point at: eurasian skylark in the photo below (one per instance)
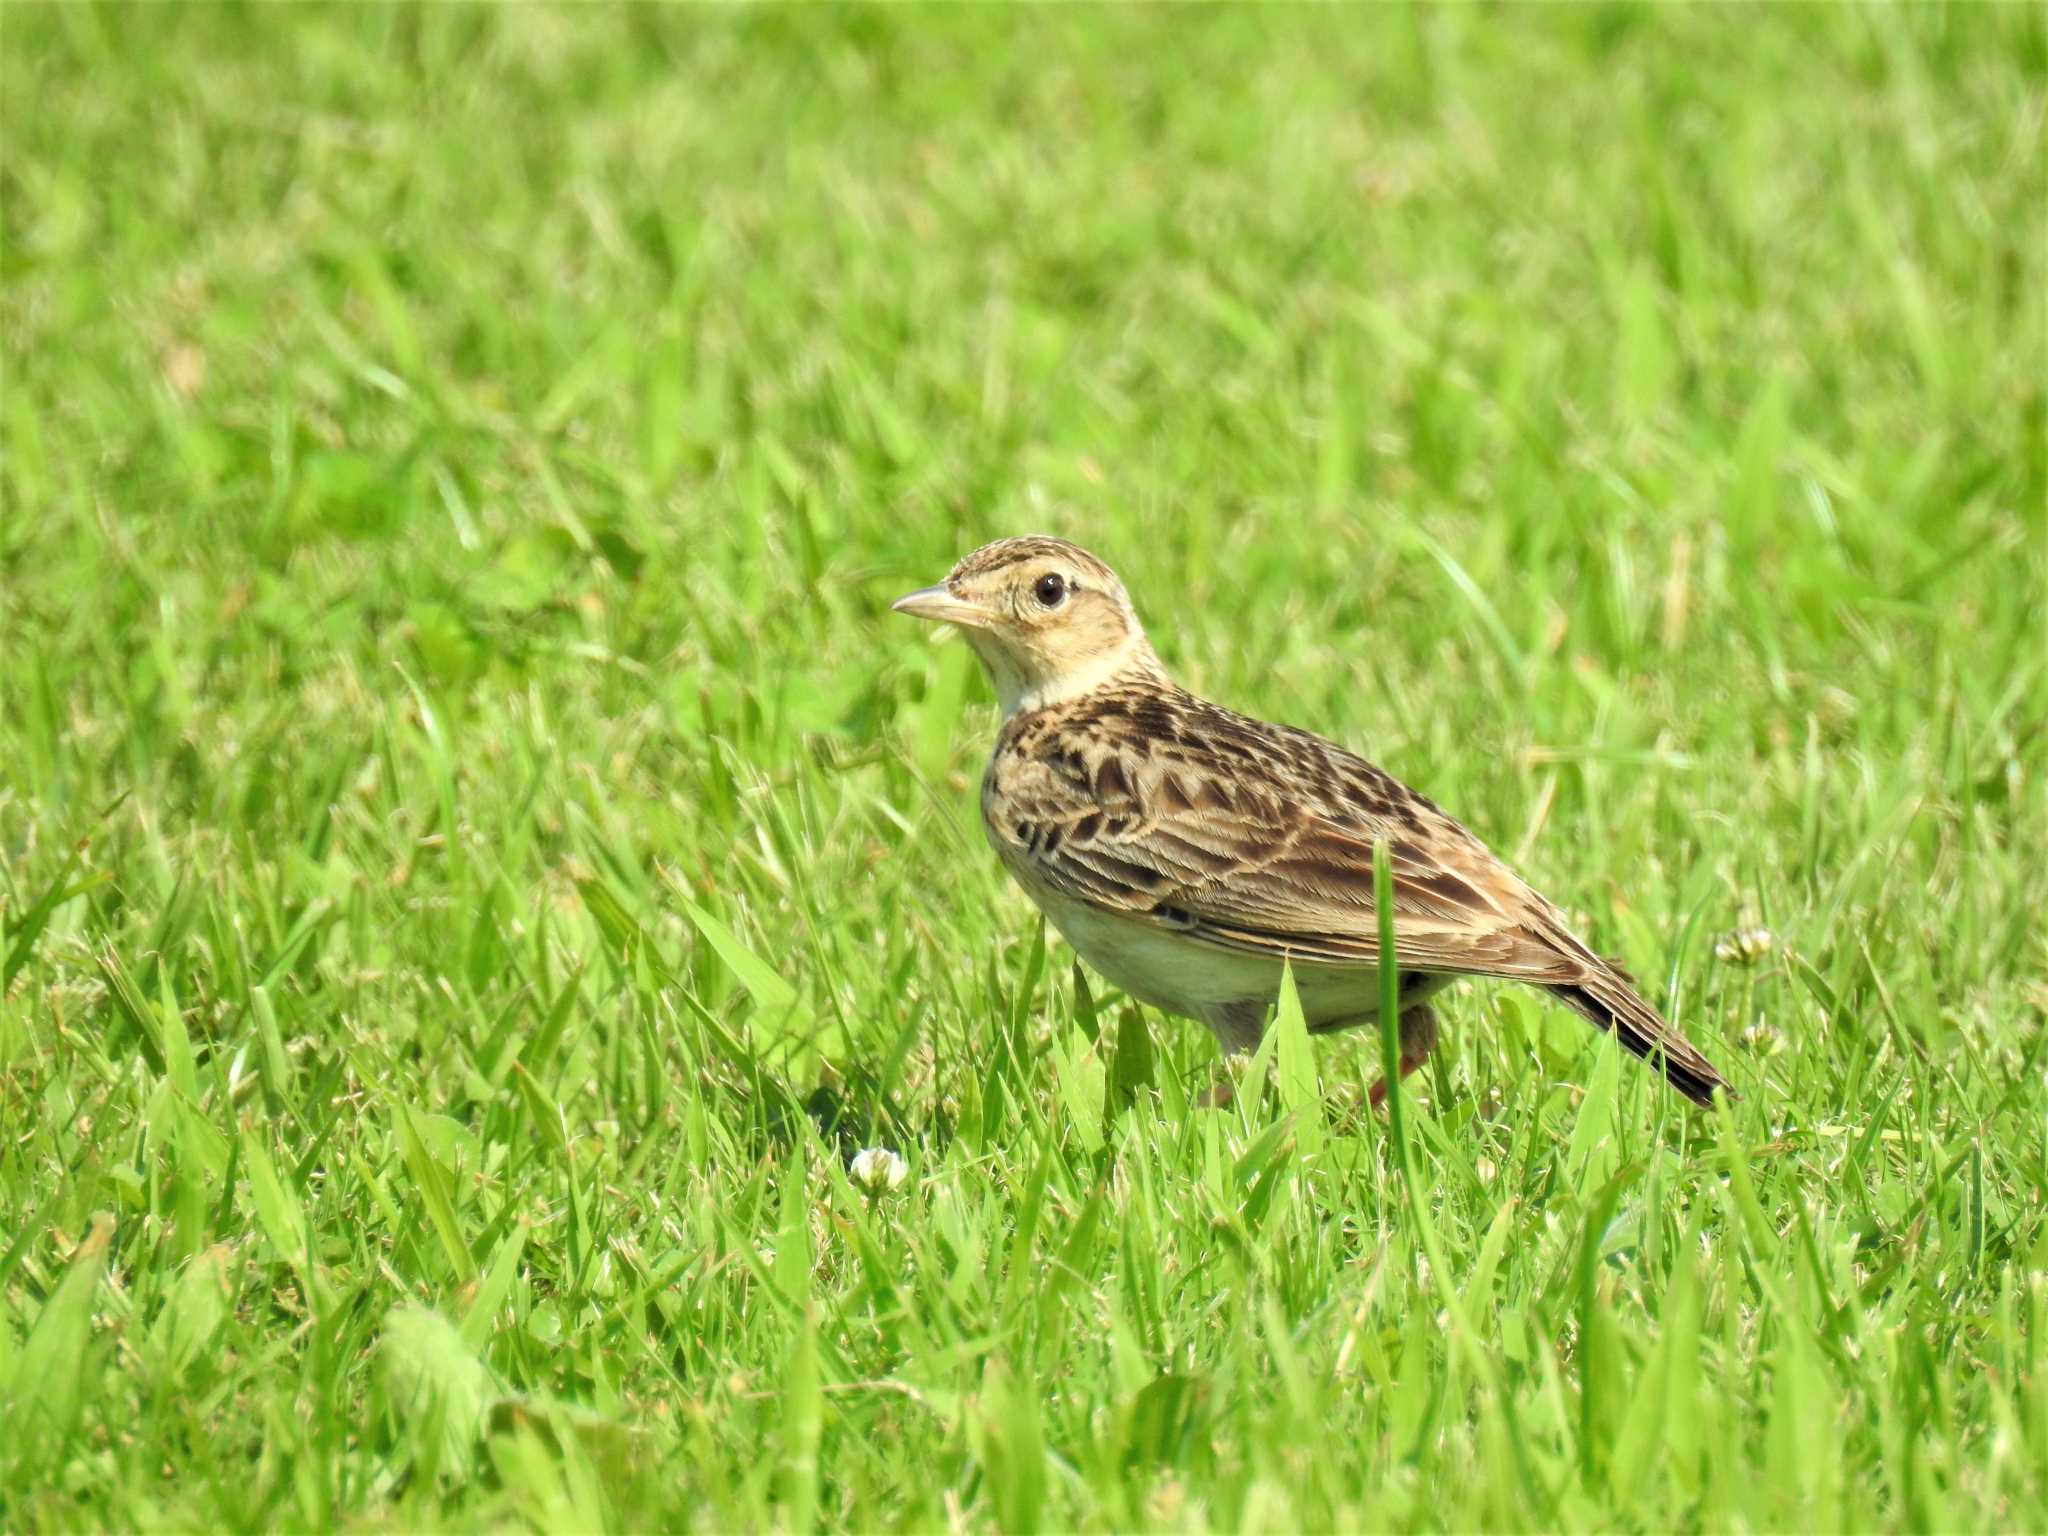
(1186, 851)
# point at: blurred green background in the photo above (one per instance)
(476, 852)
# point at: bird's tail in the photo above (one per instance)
(1606, 998)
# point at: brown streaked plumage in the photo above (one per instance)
(1186, 851)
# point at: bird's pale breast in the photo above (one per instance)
(1182, 975)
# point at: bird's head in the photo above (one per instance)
(1049, 620)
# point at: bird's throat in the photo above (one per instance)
(1022, 687)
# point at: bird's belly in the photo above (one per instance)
(1182, 975)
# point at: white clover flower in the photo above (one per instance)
(876, 1169)
(1762, 1037)
(1746, 946)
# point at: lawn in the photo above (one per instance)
(478, 857)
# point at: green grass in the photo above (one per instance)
(477, 856)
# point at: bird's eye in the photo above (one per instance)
(1051, 590)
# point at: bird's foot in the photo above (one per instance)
(1218, 1095)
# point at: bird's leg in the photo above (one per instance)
(1418, 1038)
(1237, 1027)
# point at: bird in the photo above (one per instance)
(1189, 853)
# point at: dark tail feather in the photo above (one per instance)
(1611, 1003)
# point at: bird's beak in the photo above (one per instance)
(938, 604)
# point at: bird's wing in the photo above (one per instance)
(1260, 839)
